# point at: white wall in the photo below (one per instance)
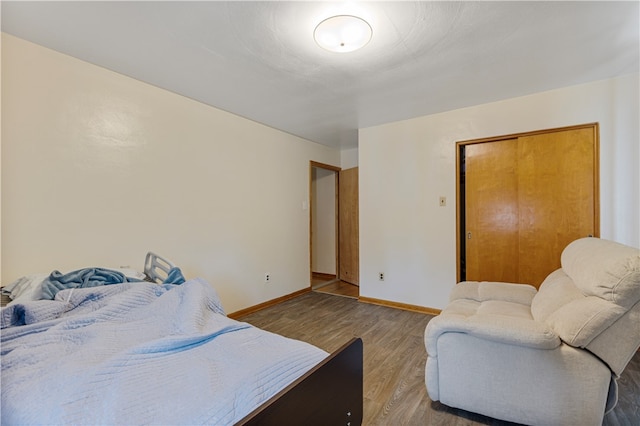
(98, 168)
(0, 158)
(349, 158)
(324, 221)
(405, 166)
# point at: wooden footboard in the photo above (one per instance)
(328, 394)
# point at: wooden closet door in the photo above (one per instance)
(526, 198)
(348, 246)
(556, 196)
(491, 201)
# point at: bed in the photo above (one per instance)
(148, 352)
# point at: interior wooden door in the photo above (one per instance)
(348, 246)
(526, 198)
(491, 199)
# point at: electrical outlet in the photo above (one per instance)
(381, 276)
(267, 278)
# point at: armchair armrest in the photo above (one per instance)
(497, 328)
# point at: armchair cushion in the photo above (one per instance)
(483, 291)
(557, 291)
(573, 316)
(495, 311)
(581, 320)
(608, 270)
(596, 286)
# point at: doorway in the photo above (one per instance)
(327, 240)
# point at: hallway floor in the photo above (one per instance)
(335, 287)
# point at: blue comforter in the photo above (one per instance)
(139, 353)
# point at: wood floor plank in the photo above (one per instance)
(394, 359)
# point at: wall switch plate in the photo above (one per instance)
(267, 278)
(443, 201)
(381, 276)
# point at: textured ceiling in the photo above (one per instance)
(259, 59)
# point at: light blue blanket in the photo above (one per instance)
(139, 353)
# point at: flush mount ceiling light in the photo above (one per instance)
(343, 33)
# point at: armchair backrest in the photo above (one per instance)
(593, 301)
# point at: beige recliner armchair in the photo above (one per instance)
(548, 357)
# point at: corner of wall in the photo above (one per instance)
(348, 158)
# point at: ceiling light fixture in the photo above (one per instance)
(343, 33)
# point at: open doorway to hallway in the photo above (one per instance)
(330, 248)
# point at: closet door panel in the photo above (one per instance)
(556, 197)
(491, 201)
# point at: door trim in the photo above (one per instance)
(460, 145)
(312, 165)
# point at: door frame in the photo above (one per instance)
(312, 165)
(460, 195)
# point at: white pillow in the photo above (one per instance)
(25, 288)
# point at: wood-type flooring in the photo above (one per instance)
(338, 288)
(394, 359)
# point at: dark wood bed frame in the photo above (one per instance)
(328, 394)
